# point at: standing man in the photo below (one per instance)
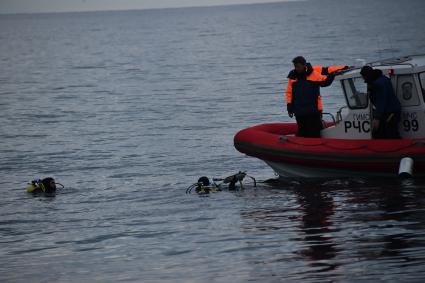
(303, 95)
(387, 107)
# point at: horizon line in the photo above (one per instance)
(152, 8)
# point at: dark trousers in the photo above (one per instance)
(309, 126)
(388, 127)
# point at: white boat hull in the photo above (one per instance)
(291, 170)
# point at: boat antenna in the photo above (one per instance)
(379, 47)
(391, 46)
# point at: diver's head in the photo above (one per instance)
(204, 181)
(49, 185)
(300, 64)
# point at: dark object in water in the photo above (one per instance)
(205, 186)
(204, 181)
(238, 177)
(46, 185)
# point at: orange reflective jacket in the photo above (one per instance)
(303, 91)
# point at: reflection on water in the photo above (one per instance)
(128, 108)
(342, 226)
(317, 210)
(394, 216)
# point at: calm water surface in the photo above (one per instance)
(127, 109)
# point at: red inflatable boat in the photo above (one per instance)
(346, 147)
(288, 155)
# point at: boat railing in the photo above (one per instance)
(397, 61)
(331, 115)
(339, 114)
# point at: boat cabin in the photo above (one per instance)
(353, 121)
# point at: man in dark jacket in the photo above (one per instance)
(387, 108)
(303, 95)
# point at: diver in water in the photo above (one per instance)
(47, 185)
(206, 186)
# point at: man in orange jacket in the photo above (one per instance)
(303, 95)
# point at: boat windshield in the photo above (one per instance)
(355, 90)
(422, 79)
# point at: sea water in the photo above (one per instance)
(127, 109)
